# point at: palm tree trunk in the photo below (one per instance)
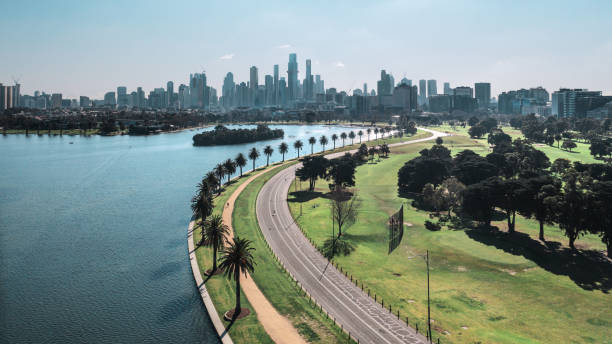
(253, 164)
(283, 157)
(214, 269)
(240, 171)
(238, 308)
(542, 231)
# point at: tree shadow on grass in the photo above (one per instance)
(304, 196)
(589, 269)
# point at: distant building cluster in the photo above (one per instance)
(288, 92)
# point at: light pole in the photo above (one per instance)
(426, 257)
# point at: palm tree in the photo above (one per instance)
(268, 152)
(240, 161)
(230, 168)
(312, 141)
(236, 259)
(376, 132)
(220, 172)
(283, 148)
(343, 137)
(212, 180)
(334, 138)
(202, 203)
(214, 234)
(360, 133)
(298, 145)
(352, 136)
(253, 155)
(323, 141)
(369, 130)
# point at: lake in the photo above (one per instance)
(93, 235)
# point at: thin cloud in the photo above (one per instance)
(284, 46)
(227, 56)
(339, 64)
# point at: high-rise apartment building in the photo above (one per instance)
(432, 88)
(269, 89)
(483, 94)
(228, 90)
(422, 92)
(463, 91)
(122, 96)
(253, 85)
(447, 89)
(276, 76)
(170, 94)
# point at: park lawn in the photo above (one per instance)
(484, 287)
(421, 134)
(222, 291)
(274, 282)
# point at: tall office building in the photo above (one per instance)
(577, 102)
(269, 89)
(183, 97)
(432, 88)
(308, 81)
(141, 98)
(169, 94)
(463, 91)
(365, 88)
(383, 86)
(276, 100)
(84, 101)
(109, 99)
(253, 85)
(483, 94)
(198, 90)
(292, 80)
(447, 89)
(228, 90)
(282, 91)
(122, 96)
(422, 92)
(319, 85)
(56, 100)
(406, 81)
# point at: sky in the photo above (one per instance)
(91, 47)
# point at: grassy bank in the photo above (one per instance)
(278, 287)
(223, 291)
(484, 288)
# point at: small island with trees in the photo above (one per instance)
(221, 135)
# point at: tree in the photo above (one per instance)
(220, 172)
(476, 131)
(323, 141)
(376, 132)
(471, 168)
(488, 124)
(384, 148)
(498, 137)
(360, 133)
(373, 150)
(600, 148)
(336, 246)
(473, 121)
(334, 137)
(422, 170)
(369, 130)
(601, 208)
(343, 137)
(212, 180)
(508, 198)
(202, 203)
(537, 200)
(351, 136)
(439, 141)
(568, 145)
(214, 234)
(411, 128)
(449, 194)
(253, 155)
(230, 168)
(342, 171)
(479, 200)
(344, 208)
(312, 141)
(237, 258)
(268, 150)
(571, 206)
(313, 167)
(298, 146)
(240, 162)
(560, 165)
(283, 148)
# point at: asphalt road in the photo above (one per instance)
(365, 319)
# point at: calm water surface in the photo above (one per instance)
(93, 236)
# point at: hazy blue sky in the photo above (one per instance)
(90, 47)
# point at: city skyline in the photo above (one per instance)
(147, 44)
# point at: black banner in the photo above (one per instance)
(396, 229)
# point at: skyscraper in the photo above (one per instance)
(141, 98)
(308, 81)
(269, 91)
(253, 85)
(483, 94)
(121, 96)
(422, 92)
(169, 93)
(432, 88)
(197, 88)
(383, 86)
(276, 100)
(228, 90)
(292, 80)
(447, 89)
(282, 91)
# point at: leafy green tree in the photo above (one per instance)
(600, 148)
(568, 145)
(488, 124)
(240, 162)
(476, 131)
(283, 148)
(560, 165)
(473, 121)
(214, 235)
(601, 208)
(253, 155)
(313, 167)
(479, 200)
(439, 141)
(422, 170)
(571, 206)
(202, 203)
(371, 151)
(538, 197)
(470, 168)
(298, 146)
(384, 149)
(337, 246)
(344, 208)
(237, 258)
(342, 171)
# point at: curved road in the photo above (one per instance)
(365, 319)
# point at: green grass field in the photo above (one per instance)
(485, 287)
